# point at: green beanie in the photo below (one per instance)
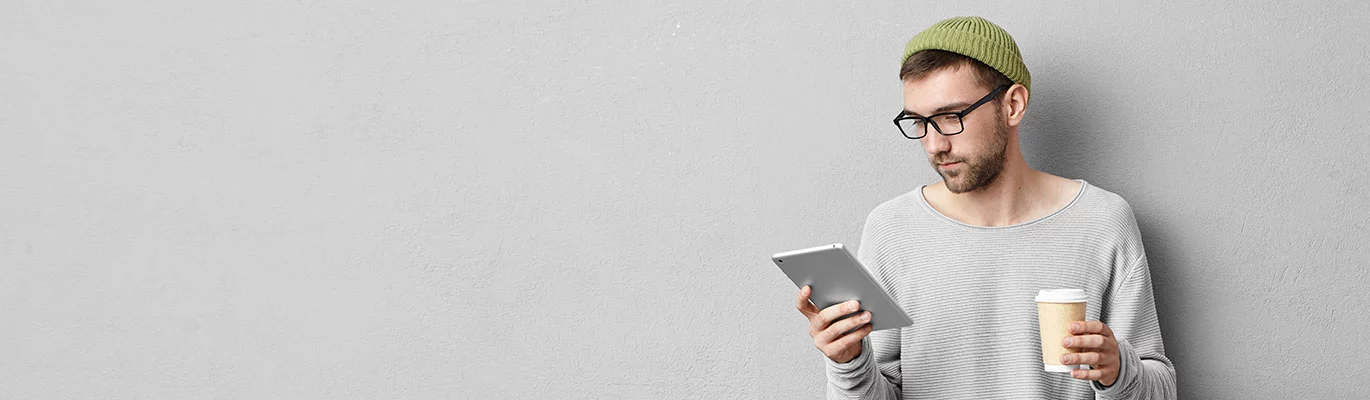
(976, 38)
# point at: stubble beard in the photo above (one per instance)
(979, 171)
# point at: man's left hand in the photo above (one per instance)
(1097, 347)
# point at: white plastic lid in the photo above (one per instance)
(1062, 296)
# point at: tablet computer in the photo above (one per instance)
(835, 277)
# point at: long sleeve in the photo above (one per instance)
(1145, 373)
(876, 372)
(862, 378)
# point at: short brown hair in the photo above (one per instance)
(924, 62)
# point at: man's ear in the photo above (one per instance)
(1015, 104)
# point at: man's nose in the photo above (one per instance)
(935, 142)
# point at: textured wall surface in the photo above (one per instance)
(505, 199)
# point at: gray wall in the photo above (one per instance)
(430, 199)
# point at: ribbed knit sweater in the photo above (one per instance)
(970, 293)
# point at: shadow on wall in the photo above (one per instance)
(1060, 131)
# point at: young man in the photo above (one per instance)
(966, 256)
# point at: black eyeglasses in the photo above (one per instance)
(947, 123)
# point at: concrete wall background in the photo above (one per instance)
(425, 199)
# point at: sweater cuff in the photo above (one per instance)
(851, 374)
(1129, 369)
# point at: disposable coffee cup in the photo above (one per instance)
(1056, 309)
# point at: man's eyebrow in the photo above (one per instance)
(958, 106)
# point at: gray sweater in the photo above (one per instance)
(970, 289)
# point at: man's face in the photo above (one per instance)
(975, 157)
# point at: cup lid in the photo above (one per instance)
(1062, 296)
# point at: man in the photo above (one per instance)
(966, 256)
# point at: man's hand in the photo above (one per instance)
(837, 340)
(1097, 347)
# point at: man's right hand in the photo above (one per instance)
(828, 332)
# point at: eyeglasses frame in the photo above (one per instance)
(961, 115)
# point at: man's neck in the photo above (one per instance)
(1019, 194)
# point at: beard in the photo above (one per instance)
(979, 170)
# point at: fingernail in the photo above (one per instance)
(1070, 342)
(1067, 359)
(865, 316)
(1074, 327)
(851, 306)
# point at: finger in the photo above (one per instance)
(851, 339)
(1087, 374)
(1083, 342)
(1095, 327)
(838, 329)
(837, 311)
(1091, 358)
(803, 304)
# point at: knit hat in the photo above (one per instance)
(976, 38)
